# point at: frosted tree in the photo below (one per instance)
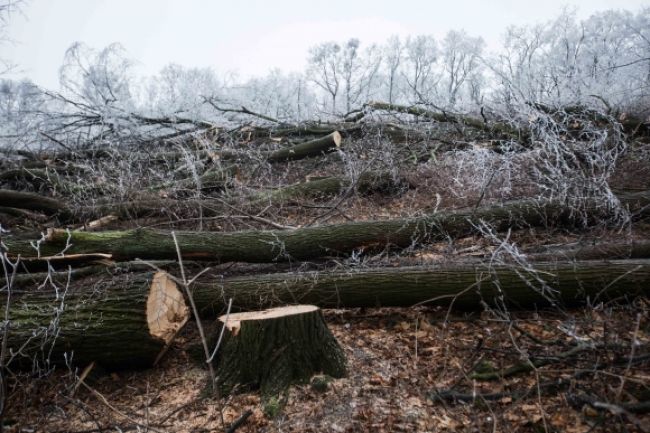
(325, 70)
(420, 67)
(461, 63)
(393, 57)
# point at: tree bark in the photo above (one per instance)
(305, 243)
(307, 149)
(468, 286)
(495, 128)
(368, 183)
(31, 201)
(608, 250)
(212, 180)
(464, 287)
(122, 322)
(276, 348)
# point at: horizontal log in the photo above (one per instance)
(121, 322)
(31, 201)
(607, 250)
(500, 129)
(213, 179)
(368, 183)
(465, 287)
(299, 244)
(307, 149)
(306, 243)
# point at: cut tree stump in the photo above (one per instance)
(123, 323)
(273, 349)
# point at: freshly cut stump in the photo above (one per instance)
(275, 348)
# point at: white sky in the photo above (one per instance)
(252, 36)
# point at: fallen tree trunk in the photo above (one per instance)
(307, 149)
(31, 201)
(305, 243)
(502, 129)
(466, 287)
(609, 250)
(469, 286)
(122, 322)
(369, 182)
(213, 179)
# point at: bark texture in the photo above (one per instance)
(31, 201)
(307, 149)
(305, 243)
(274, 349)
(465, 287)
(121, 322)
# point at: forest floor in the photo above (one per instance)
(407, 369)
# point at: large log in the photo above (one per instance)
(117, 321)
(368, 182)
(315, 147)
(466, 287)
(500, 129)
(306, 243)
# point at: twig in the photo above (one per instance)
(239, 422)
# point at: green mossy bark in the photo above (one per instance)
(96, 319)
(266, 246)
(368, 183)
(273, 354)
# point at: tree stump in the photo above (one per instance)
(275, 348)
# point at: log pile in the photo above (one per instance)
(77, 290)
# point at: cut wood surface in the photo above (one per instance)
(276, 348)
(121, 322)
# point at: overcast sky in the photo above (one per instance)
(252, 36)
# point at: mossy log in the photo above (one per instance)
(265, 246)
(307, 149)
(595, 250)
(464, 287)
(500, 129)
(119, 322)
(211, 180)
(368, 183)
(276, 348)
